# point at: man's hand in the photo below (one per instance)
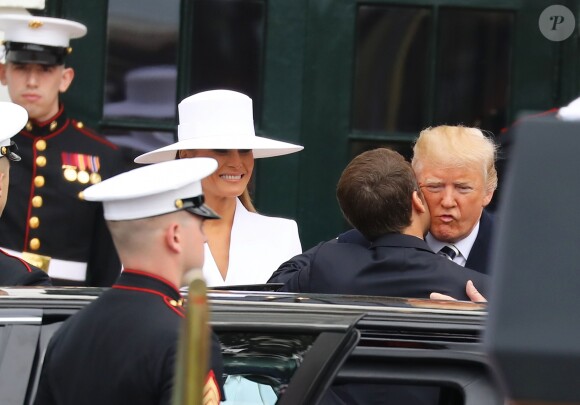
(472, 292)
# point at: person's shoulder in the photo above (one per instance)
(88, 134)
(271, 221)
(17, 272)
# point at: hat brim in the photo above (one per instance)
(260, 146)
(203, 211)
(132, 109)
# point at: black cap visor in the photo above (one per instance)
(17, 52)
(196, 206)
(10, 152)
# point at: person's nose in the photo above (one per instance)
(234, 159)
(448, 198)
(31, 79)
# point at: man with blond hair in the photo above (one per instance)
(455, 167)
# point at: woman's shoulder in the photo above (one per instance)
(267, 220)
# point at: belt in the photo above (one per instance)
(56, 268)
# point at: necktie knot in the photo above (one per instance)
(448, 251)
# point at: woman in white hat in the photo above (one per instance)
(243, 246)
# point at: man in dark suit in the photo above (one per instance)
(13, 270)
(129, 335)
(455, 167)
(379, 195)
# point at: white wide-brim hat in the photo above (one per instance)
(218, 119)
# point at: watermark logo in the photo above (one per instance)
(557, 23)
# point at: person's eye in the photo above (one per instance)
(433, 188)
(245, 151)
(220, 151)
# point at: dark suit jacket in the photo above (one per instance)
(15, 271)
(121, 349)
(394, 265)
(479, 256)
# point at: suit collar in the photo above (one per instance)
(400, 240)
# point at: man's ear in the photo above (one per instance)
(3, 73)
(173, 237)
(418, 203)
(67, 76)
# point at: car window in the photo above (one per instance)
(258, 367)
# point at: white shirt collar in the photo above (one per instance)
(464, 245)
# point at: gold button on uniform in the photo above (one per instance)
(53, 125)
(80, 125)
(34, 222)
(34, 244)
(40, 145)
(39, 181)
(37, 201)
(40, 161)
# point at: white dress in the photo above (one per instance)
(258, 245)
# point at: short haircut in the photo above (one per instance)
(375, 192)
(456, 146)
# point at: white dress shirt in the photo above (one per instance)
(463, 246)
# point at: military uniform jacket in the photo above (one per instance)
(44, 214)
(121, 349)
(15, 271)
(394, 265)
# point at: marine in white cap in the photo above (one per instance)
(130, 333)
(13, 270)
(45, 222)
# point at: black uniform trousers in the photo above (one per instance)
(121, 349)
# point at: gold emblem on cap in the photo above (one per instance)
(95, 178)
(53, 125)
(37, 201)
(34, 244)
(40, 145)
(81, 195)
(179, 203)
(41, 161)
(4, 151)
(39, 181)
(83, 177)
(34, 24)
(69, 50)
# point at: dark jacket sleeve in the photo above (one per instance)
(295, 273)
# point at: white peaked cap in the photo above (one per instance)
(12, 119)
(218, 119)
(155, 190)
(40, 30)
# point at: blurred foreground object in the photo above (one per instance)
(532, 334)
(192, 385)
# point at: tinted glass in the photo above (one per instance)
(391, 68)
(135, 142)
(141, 76)
(473, 68)
(258, 367)
(228, 40)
